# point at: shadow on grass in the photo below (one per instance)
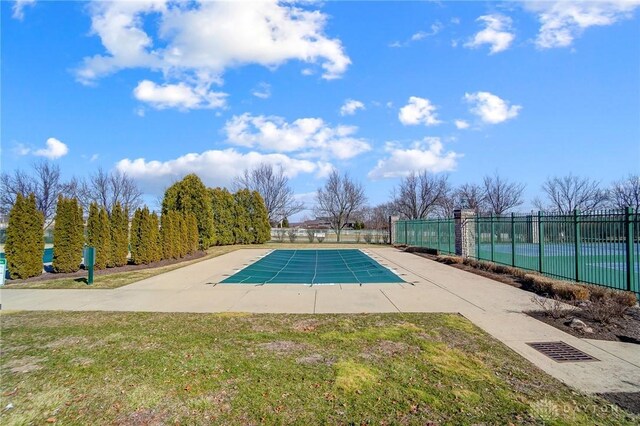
(82, 280)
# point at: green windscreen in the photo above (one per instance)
(314, 267)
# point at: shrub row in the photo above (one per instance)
(223, 218)
(548, 286)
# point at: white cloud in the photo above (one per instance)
(21, 149)
(461, 124)
(427, 154)
(350, 107)
(199, 41)
(215, 167)
(54, 149)
(310, 137)
(497, 33)
(418, 111)
(490, 108)
(435, 28)
(19, 6)
(263, 91)
(179, 96)
(563, 21)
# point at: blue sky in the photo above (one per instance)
(160, 89)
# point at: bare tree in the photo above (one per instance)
(338, 200)
(626, 193)
(502, 195)
(274, 188)
(45, 182)
(419, 194)
(568, 193)
(470, 196)
(109, 188)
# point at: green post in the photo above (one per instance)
(89, 261)
(438, 235)
(540, 243)
(450, 226)
(577, 237)
(513, 239)
(406, 233)
(478, 236)
(493, 229)
(630, 249)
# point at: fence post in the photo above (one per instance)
(406, 233)
(478, 236)
(450, 224)
(493, 229)
(513, 239)
(438, 236)
(630, 248)
(540, 243)
(577, 237)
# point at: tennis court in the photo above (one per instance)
(341, 266)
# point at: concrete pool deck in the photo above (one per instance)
(430, 287)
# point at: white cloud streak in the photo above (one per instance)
(490, 108)
(418, 111)
(180, 96)
(563, 21)
(461, 124)
(215, 167)
(18, 8)
(199, 41)
(350, 107)
(427, 154)
(309, 137)
(54, 149)
(497, 33)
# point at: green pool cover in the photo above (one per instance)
(314, 267)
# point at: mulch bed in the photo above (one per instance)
(626, 329)
(629, 401)
(49, 275)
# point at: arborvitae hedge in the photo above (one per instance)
(183, 234)
(242, 226)
(190, 195)
(259, 217)
(224, 220)
(145, 237)
(192, 231)
(137, 255)
(168, 235)
(153, 230)
(99, 235)
(119, 223)
(25, 238)
(68, 235)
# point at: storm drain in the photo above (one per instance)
(561, 352)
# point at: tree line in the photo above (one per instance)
(193, 217)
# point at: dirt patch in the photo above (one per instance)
(629, 401)
(306, 325)
(25, 364)
(126, 268)
(66, 342)
(625, 329)
(386, 348)
(315, 359)
(143, 417)
(283, 346)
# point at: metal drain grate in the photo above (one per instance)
(561, 352)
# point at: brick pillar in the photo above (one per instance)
(392, 229)
(465, 232)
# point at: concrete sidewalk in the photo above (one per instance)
(430, 287)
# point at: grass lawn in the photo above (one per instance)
(120, 279)
(149, 368)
